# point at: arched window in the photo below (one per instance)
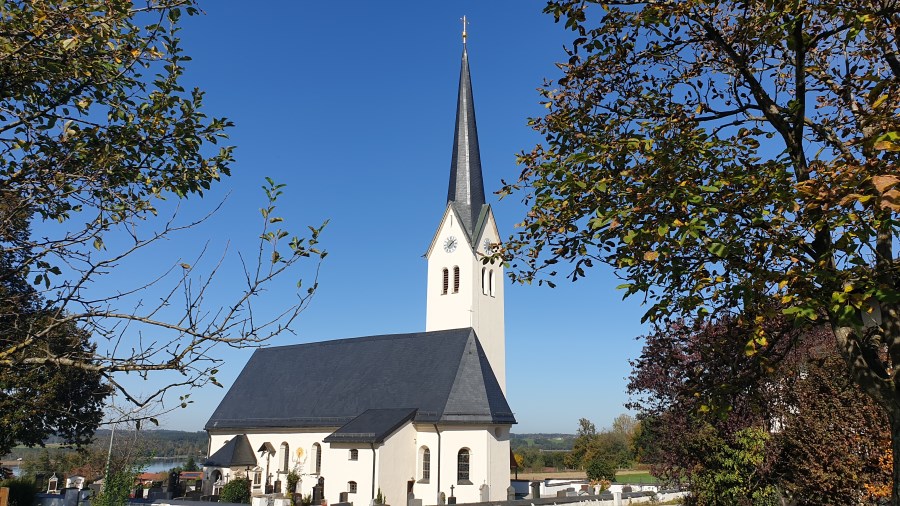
(484, 285)
(426, 463)
(491, 284)
(456, 279)
(317, 458)
(354, 454)
(446, 282)
(351, 487)
(462, 466)
(285, 457)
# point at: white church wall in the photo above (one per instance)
(333, 462)
(488, 315)
(342, 470)
(427, 490)
(498, 445)
(450, 310)
(397, 464)
(486, 452)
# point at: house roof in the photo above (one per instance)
(372, 426)
(443, 375)
(237, 452)
(466, 189)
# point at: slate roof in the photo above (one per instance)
(372, 426)
(237, 452)
(443, 375)
(466, 189)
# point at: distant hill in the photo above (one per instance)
(541, 441)
(163, 443)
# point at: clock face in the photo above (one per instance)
(488, 246)
(450, 244)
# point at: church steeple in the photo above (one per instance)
(466, 191)
(463, 290)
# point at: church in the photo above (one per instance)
(422, 415)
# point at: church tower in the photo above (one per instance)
(463, 291)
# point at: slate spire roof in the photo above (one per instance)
(466, 190)
(441, 376)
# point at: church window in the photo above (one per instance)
(351, 487)
(317, 451)
(426, 464)
(257, 478)
(491, 283)
(354, 454)
(455, 279)
(484, 286)
(446, 282)
(285, 457)
(462, 466)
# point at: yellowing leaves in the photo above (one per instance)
(887, 185)
(886, 145)
(883, 182)
(650, 256)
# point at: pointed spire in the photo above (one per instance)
(466, 190)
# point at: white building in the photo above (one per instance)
(422, 414)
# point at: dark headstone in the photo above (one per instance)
(71, 496)
(318, 493)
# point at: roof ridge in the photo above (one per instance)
(377, 337)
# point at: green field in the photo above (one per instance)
(635, 477)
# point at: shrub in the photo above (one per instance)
(600, 469)
(117, 486)
(21, 491)
(236, 491)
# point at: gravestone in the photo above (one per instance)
(318, 493)
(71, 496)
(535, 490)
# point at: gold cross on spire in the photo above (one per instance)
(464, 23)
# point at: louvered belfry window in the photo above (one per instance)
(455, 279)
(446, 282)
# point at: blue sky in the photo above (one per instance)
(351, 105)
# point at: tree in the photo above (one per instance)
(585, 435)
(729, 161)
(801, 399)
(600, 469)
(733, 475)
(99, 142)
(610, 447)
(191, 464)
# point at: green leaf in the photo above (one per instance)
(718, 249)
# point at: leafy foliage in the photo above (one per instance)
(96, 133)
(22, 491)
(600, 469)
(801, 398)
(733, 159)
(117, 486)
(733, 476)
(604, 450)
(236, 491)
